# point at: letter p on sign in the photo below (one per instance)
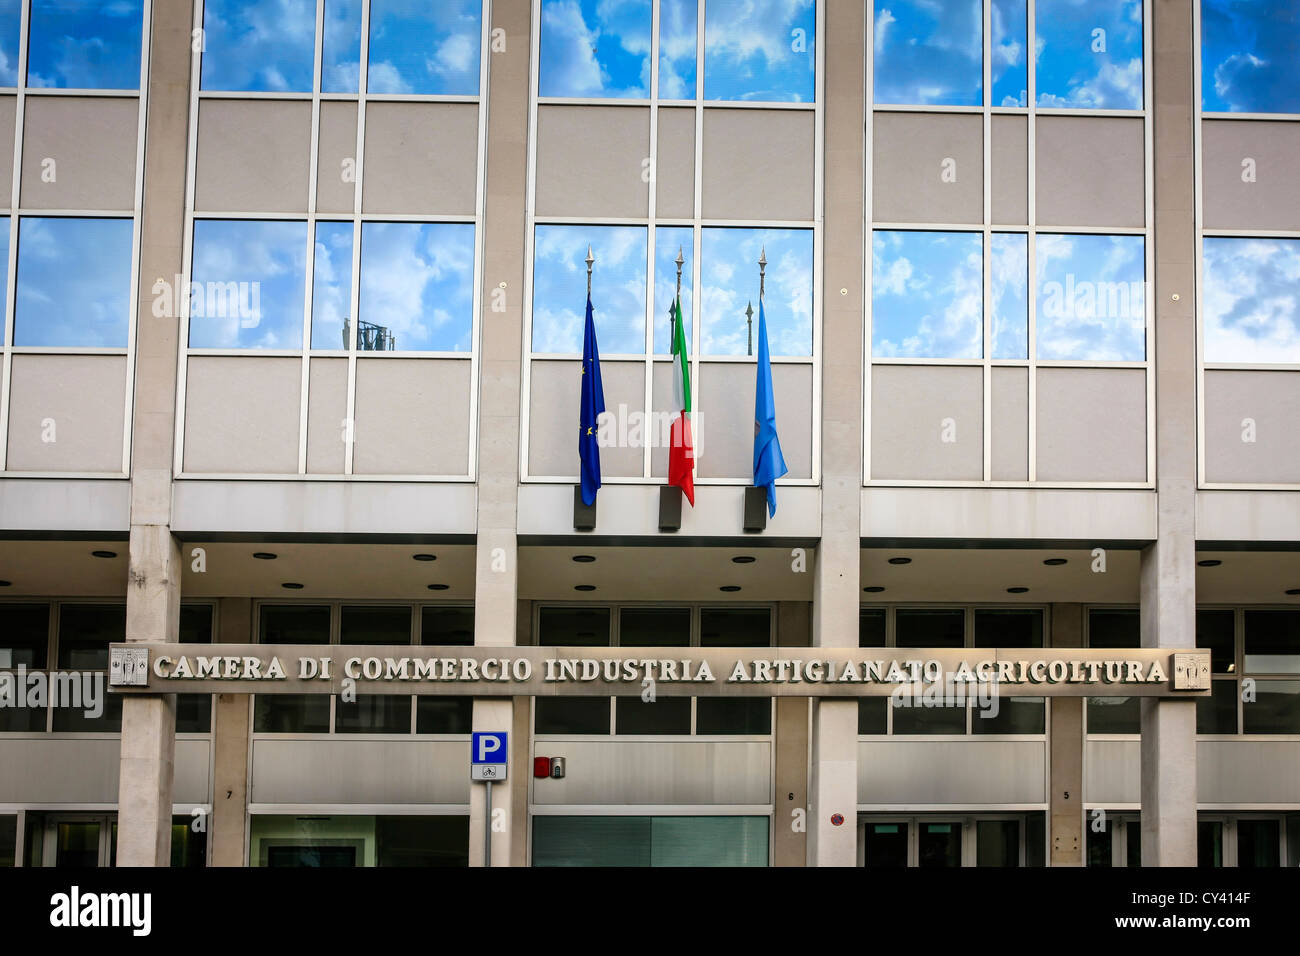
(489, 748)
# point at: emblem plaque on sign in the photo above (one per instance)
(128, 667)
(1191, 672)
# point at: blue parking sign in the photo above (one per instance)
(488, 747)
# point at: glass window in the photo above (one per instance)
(871, 627)
(873, 715)
(375, 625)
(263, 47)
(85, 44)
(331, 295)
(1209, 843)
(194, 711)
(1272, 642)
(4, 260)
(417, 288)
(1114, 627)
(1275, 710)
(1091, 298)
(10, 27)
(729, 284)
(74, 282)
(678, 27)
(572, 715)
(24, 642)
(1089, 55)
(1133, 842)
(8, 839)
(663, 715)
(1258, 843)
(292, 713)
(443, 715)
(1249, 56)
(341, 47)
(733, 715)
(913, 718)
(373, 714)
(735, 627)
(447, 624)
(595, 49)
(886, 844)
(348, 841)
(1015, 715)
(997, 843)
(929, 52)
(618, 288)
(423, 48)
(85, 631)
(650, 841)
(1114, 715)
(422, 841)
(654, 627)
(938, 844)
(294, 624)
(929, 627)
(1100, 845)
(1008, 627)
(765, 54)
(1217, 714)
(669, 240)
(248, 283)
(1009, 258)
(1215, 630)
(1009, 66)
(927, 295)
(1251, 300)
(573, 627)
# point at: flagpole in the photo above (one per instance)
(589, 260)
(762, 271)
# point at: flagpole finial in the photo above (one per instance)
(589, 260)
(762, 269)
(679, 260)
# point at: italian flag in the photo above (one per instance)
(681, 453)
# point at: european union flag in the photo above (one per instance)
(593, 406)
(769, 463)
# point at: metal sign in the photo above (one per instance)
(487, 754)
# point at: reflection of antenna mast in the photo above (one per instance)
(370, 337)
(590, 259)
(749, 325)
(672, 309)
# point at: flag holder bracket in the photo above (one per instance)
(755, 509)
(670, 508)
(584, 515)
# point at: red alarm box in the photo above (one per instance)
(541, 766)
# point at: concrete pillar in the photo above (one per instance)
(1066, 821)
(833, 788)
(229, 830)
(790, 782)
(1168, 575)
(497, 568)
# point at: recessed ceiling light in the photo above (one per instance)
(584, 558)
(292, 586)
(874, 589)
(1209, 563)
(743, 559)
(5, 584)
(439, 587)
(1017, 590)
(1055, 562)
(900, 560)
(729, 588)
(1288, 590)
(265, 555)
(584, 587)
(104, 554)
(425, 557)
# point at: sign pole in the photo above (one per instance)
(487, 828)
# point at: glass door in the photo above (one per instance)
(79, 841)
(887, 843)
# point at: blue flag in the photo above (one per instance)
(769, 463)
(593, 406)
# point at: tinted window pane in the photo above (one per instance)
(248, 284)
(929, 720)
(251, 45)
(1010, 64)
(886, 844)
(196, 624)
(929, 627)
(4, 254)
(595, 49)
(1251, 308)
(341, 49)
(1010, 262)
(654, 627)
(193, 713)
(373, 714)
(24, 642)
(1209, 843)
(1133, 843)
(1249, 56)
(1114, 715)
(1089, 54)
(1215, 630)
(572, 715)
(929, 53)
(735, 627)
(871, 627)
(573, 627)
(650, 841)
(677, 32)
(1276, 709)
(74, 282)
(447, 625)
(873, 715)
(443, 715)
(416, 286)
(1114, 627)
(291, 714)
(10, 24)
(85, 631)
(189, 847)
(733, 715)
(927, 295)
(85, 44)
(729, 284)
(753, 52)
(663, 715)
(1015, 715)
(294, 624)
(1258, 843)
(422, 841)
(331, 295)
(1010, 627)
(1272, 642)
(423, 48)
(1217, 714)
(1099, 847)
(938, 844)
(8, 839)
(618, 288)
(375, 625)
(997, 843)
(669, 240)
(1091, 298)
(591, 841)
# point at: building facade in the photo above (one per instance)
(292, 345)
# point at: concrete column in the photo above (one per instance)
(1066, 820)
(497, 568)
(229, 831)
(833, 788)
(1168, 575)
(790, 782)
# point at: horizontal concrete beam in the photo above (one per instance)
(51, 507)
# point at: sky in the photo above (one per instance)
(761, 50)
(927, 295)
(74, 44)
(929, 52)
(74, 282)
(1250, 56)
(270, 253)
(1081, 312)
(1251, 299)
(1089, 54)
